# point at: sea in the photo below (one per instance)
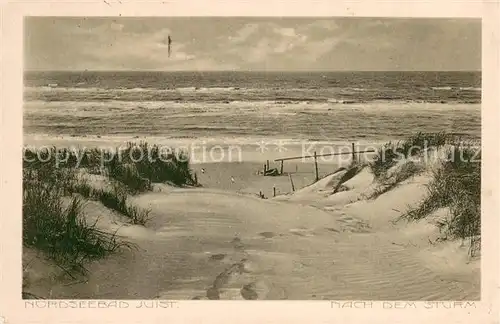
(245, 107)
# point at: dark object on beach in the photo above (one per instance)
(272, 172)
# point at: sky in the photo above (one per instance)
(271, 43)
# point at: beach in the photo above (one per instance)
(221, 241)
(330, 239)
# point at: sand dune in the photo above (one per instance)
(219, 244)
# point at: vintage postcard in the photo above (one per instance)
(171, 159)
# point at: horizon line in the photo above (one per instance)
(251, 71)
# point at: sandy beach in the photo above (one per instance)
(220, 241)
(248, 180)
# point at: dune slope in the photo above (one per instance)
(212, 244)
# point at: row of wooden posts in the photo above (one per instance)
(315, 156)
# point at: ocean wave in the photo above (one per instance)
(190, 110)
(442, 88)
(49, 88)
(359, 89)
(208, 89)
(56, 87)
(470, 88)
(158, 108)
(457, 88)
(343, 101)
(186, 140)
(234, 96)
(213, 127)
(283, 113)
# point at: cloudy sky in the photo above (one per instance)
(57, 43)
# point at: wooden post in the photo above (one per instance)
(265, 170)
(195, 178)
(291, 181)
(281, 169)
(353, 154)
(316, 166)
(274, 191)
(267, 165)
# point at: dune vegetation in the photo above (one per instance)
(456, 185)
(55, 189)
(58, 183)
(455, 180)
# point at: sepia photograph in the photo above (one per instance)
(251, 158)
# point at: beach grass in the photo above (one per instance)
(386, 183)
(62, 233)
(456, 185)
(390, 153)
(52, 176)
(128, 175)
(115, 199)
(139, 165)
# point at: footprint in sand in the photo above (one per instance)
(213, 293)
(248, 292)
